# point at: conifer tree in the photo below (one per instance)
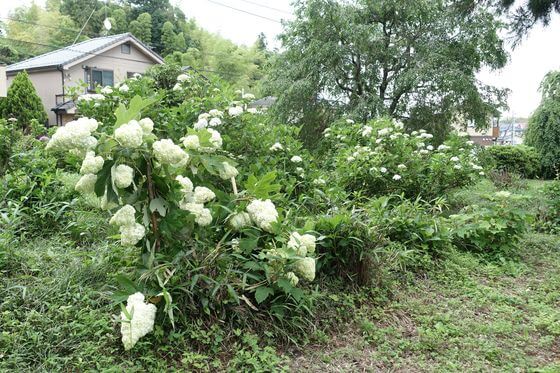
(23, 103)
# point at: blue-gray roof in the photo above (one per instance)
(69, 54)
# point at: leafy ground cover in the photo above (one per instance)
(464, 314)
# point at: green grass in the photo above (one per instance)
(464, 314)
(468, 315)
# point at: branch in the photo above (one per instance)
(152, 196)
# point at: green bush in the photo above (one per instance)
(23, 103)
(517, 159)
(8, 137)
(380, 158)
(381, 238)
(493, 229)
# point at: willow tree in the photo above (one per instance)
(412, 60)
(543, 131)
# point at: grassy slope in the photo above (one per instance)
(56, 314)
(467, 316)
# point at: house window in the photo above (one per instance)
(125, 48)
(100, 77)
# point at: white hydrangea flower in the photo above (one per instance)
(131, 234)
(215, 138)
(167, 152)
(124, 216)
(349, 121)
(74, 135)
(204, 116)
(124, 88)
(123, 176)
(399, 125)
(177, 87)
(252, 110)
(141, 321)
(455, 159)
(401, 167)
(248, 96)
(107, 90)
(443, 147)
(397, 177)
(305, 267)
(302, 244)
(477, 167)
(457, 167)
(263, 213)
(203, 194)
(186, 184)
(378, 141)
(481, 173)
(296, 159)
(319, 181)
(350, 159)
(383, 170)
(202, 216)
(191, 142)
(235, 111)
(183, 78)
(240, 220)
(384, 131)
(86, 184)
(291, 276)
(91, 164)
(129, 134)
(91, 97)
(367, 131)
(424, 151)
(470, 142)
(216, 113)
(202, 123)
(228, 171)
(147, 125)
(430, 147)
(276, 146)
(215, 122)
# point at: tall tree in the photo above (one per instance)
(412, 60)
(526, 15)
(23, 103)
(142, 28)
(168, 38)
(543, 131)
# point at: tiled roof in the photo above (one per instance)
(67, 54)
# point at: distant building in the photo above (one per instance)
(3, 81)
(486, 137)
(103, 61)
(512, 131)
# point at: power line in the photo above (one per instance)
(95, 35)
(244, 11)
(267, 7)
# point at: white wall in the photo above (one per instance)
(3, 81)
(135, 62)
(48, 84)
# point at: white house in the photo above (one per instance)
(103, 61)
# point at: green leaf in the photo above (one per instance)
(137, 104)
(263, 187)
(159, 205)
(262, 293)
(104, 178)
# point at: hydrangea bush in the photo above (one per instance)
(207, 245)
(380, 158)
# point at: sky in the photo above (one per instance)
(538, 53)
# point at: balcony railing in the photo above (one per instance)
(60, 99)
